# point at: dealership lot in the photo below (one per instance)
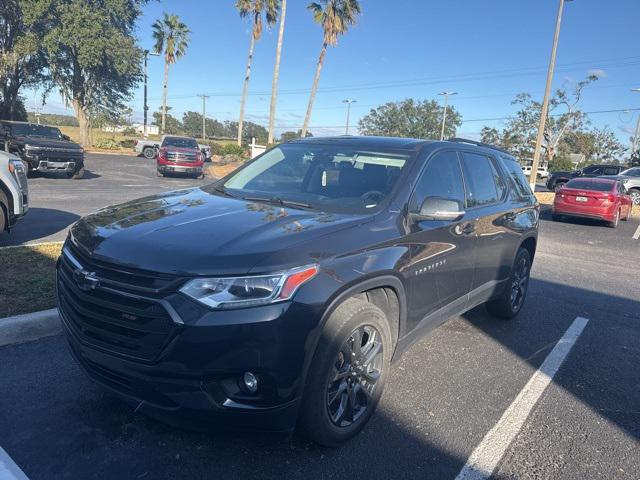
(442, 399)
(57, 202)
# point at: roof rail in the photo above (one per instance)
(479, 144)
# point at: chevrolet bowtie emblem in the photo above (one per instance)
(86, 280)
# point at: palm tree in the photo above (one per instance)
(335, 16)
(172, 37)
(254, 9)
(276, 71)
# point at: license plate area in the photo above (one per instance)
(581, 199)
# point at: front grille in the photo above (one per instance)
(109, 319)
(181, 157)
(55, 154)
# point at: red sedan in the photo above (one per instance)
(597, 198)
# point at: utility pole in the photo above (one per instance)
(146, 106)
(204, 114)
(348, 101)
(636, 137)
(444, 114)
(545, 103)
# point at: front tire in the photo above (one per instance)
(78, 174)
(4, 221)
(347, 374)
(634, 193)
(510, 302)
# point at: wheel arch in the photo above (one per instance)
(530, 244)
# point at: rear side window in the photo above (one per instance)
(441, 178)
(593, 170)
(611, 171)
(518, 180)
(484, 184)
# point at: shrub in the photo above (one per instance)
(233, 149)
(129, 132)
(107, 143)
(127, 143)
(231, 158)
(216, 148)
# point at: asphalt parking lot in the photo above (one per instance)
(444, 396)
(56, 202)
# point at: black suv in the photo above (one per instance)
(557, 179)
(279, 295)
(42, 148)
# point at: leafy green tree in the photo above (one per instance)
(410, 118)
(255, 10)
(560, 163)
(519, 134)
(635, 159)
(335, 17)
(54, 119)
(171, 37)
(92, 55)
(23, 24)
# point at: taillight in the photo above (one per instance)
(611, 197)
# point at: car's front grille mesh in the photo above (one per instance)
(181, 157)
(108, 319)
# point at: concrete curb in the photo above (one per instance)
(29, 327)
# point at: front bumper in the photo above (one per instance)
(193, 379)
(180, 169)
(56, 166)
(606, 213)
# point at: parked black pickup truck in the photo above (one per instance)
(42, 148)
(557, 179)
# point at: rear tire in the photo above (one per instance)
(347, 374)
(149, 152)
(510, 302)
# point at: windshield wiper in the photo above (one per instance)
(225, 191)
(279, 201)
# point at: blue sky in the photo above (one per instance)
(486, 50)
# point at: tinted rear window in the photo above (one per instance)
(584, 184)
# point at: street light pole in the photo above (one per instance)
(444, 114)
(146, 107)
(348, 101)
(545, 103)
(204, 114)
(637, 134)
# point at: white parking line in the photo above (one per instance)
(493, 446)
(636, 235)
(8, 468)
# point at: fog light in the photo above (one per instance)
(250, 382)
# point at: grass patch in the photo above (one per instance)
(27, 278)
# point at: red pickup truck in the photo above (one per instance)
(180, 155)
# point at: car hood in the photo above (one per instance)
(198, 232)
(44, 142)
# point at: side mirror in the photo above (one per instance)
(66, 137)
(437, 208)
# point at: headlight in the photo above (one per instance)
(236, 292)
(16, 167)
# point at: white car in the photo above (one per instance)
(542, 171)
(14, 193)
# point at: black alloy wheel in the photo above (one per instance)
(357, 369)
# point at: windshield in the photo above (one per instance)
(179, 142)
(631, 172)
(593, 185)
(325, 177)
(34, 130)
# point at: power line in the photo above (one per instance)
(487, 75)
